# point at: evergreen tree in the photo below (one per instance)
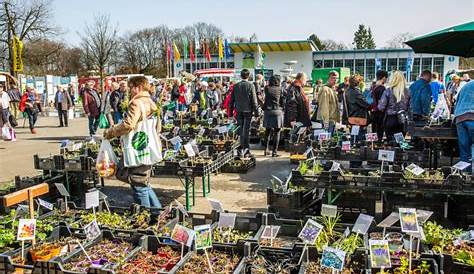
(319, 44)
(360, 37)
(370, 42)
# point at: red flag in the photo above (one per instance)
(191, 52)
(208, 53)
(168, 53)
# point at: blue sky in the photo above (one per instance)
(271, 19)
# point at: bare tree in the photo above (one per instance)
(333, 45)
(26, 19)
(398, 40)
(99, 42)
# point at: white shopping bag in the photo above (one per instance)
(12, 135)
(6, 134)
(106, 162)
(142, 146)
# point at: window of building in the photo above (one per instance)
(338, 63)
(349, 64)
(328, 63)
(402, 64)
(384, 64)
(415, 72)
(369, 70)
(426, 63)
(318, 63)
(392, 64)
(360, 66)
(438, 65)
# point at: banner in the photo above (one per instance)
(177, 55)
(17, 50)
(226, 49)
(185, 48)
(221, 49)
(191, 52)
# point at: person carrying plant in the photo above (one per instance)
(139, 111)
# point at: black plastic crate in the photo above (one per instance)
(56, 266)
(272, 255)
(358, 261)
(247, 164)
(77, 164)
(46, 163)
(7, 263)
(292, 200)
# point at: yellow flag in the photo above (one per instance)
(17, 51)
(177, 55)
(221, 49)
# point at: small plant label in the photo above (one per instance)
(270, 231)
(189, 150)
(362, 224)
(175, 131)
(371, 137)
(389, 220)
(62, 189)
(415, 169)
(181, 208)
(423, 215)
(399, 138)
(227, 220)
(215, 205)
(45, 204)
(329, 210)
(222, 129)
(316, 125)
(182, 235)
(408, 220)
(310, 232)
(316, 132)
(26, 229)
(347, 232)
(461, 165)
(21, 211)
(386, 155)
(92, 199)
(201, 131)
(324, 136)
(379, 254)
(175, 140)
(203, 236)
(355, 130)
(333, 258)
(335, 166)
(346, 146)
(301, 130)
(92, 230)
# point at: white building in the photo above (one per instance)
(366, 62)
(276, 54)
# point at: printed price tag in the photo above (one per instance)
(461, 165)
(324, 136)
(386, 155)
(222, 129)
(182, 235)
(92, 230)
(415, 169)
(216, 205)
(355, 130)
(346, 146)
(45, 204)
(316, 125)
(270, 231)
(227, 220)
(92, 199)
(362, 224)
(26, 229)
(399, 138)
(189, 150)
(371, 137)
(389, 220)
(329, 210)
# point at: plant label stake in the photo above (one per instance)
(208, 261)
(63, 192)
(409, 253)
(83, 250)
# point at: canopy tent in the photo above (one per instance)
(299, 45)
(457, 40)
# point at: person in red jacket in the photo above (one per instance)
(182, 97)
(91, 103)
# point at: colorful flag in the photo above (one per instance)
(207, 52)
(185, 48)
(191, 52)
(168, 52)
(220, 47)
(177, 55)
(260, 57)
(226, 49)
(17, 52)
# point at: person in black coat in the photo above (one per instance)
(297, 104)
(244, 101)
(273, 114)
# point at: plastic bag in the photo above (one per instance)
(6, 133)
(106, 163)
(103, 122)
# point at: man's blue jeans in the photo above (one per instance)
(117, 116)
(465, 134)
(145, 196)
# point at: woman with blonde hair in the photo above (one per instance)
(395, 101)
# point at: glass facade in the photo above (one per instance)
(328, 63)
(415, 72)
(349, 64)
(360, 66)
(426, 63)
(339, 63)
(318, 64)
(392, 64)
(369, 70)
(402, 64)
(438, 65)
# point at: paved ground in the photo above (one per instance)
(237, 192)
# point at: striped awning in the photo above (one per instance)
(300, 45)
